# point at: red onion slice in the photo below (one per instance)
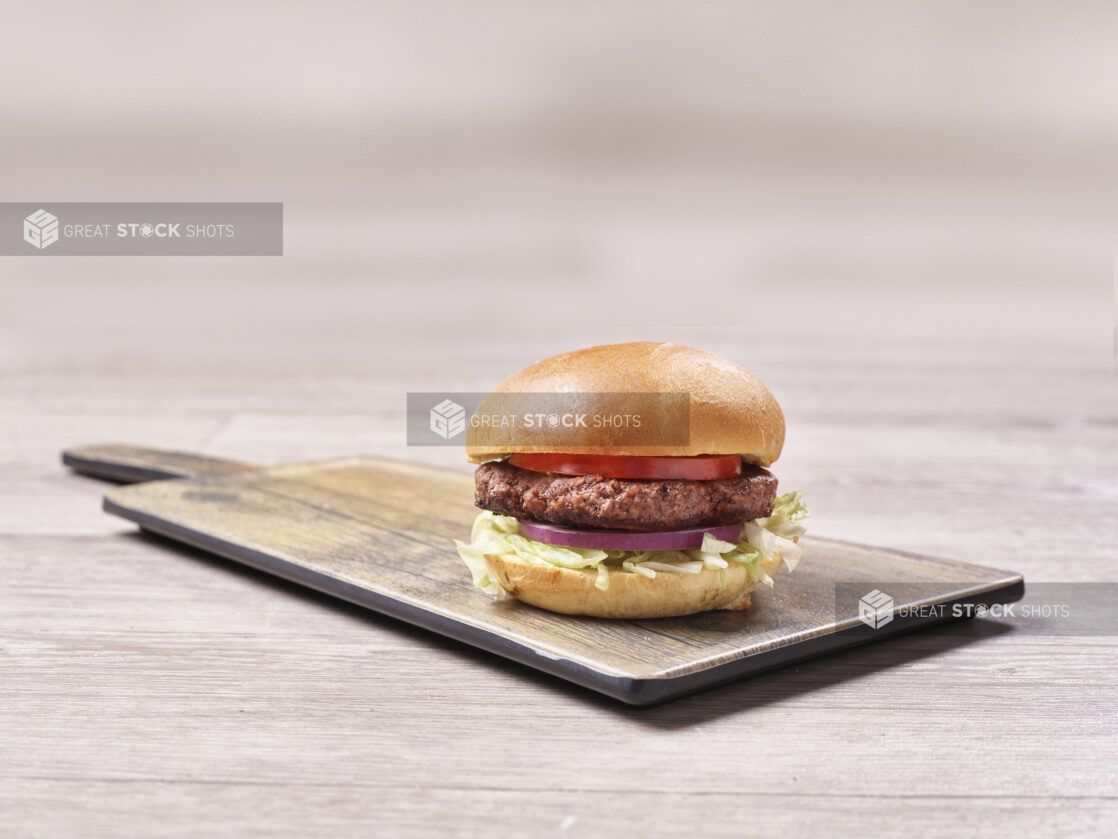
(618, 540)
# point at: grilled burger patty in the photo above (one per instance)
(591, 501)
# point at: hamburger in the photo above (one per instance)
(610, 523)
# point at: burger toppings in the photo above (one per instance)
(621, 540)
(602, 503)
(758, 540)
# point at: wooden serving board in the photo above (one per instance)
(379, 533)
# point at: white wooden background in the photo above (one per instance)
(905, 229)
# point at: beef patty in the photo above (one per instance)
(592, 501)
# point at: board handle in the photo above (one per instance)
(132, 464)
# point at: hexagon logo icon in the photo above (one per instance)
(448, 419)
(40, 229)
(875, 609)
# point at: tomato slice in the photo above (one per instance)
(703, 467)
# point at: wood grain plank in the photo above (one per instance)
(49, 806)
(879, 719)
(380, 532)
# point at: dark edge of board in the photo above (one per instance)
(114, 471)
(638, 692)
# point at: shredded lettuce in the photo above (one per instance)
(760, 541)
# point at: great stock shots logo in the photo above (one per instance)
(162, 228)
(503, 422)
(875, 609)
(40, 229)
(448, 419)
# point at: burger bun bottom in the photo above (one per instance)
(572, 591)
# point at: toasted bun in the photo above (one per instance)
(571, 591)
(731, 411)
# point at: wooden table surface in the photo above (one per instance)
(900, 217)
(149, 689)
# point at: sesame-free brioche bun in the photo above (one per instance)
(731, 411)
(571, 591)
